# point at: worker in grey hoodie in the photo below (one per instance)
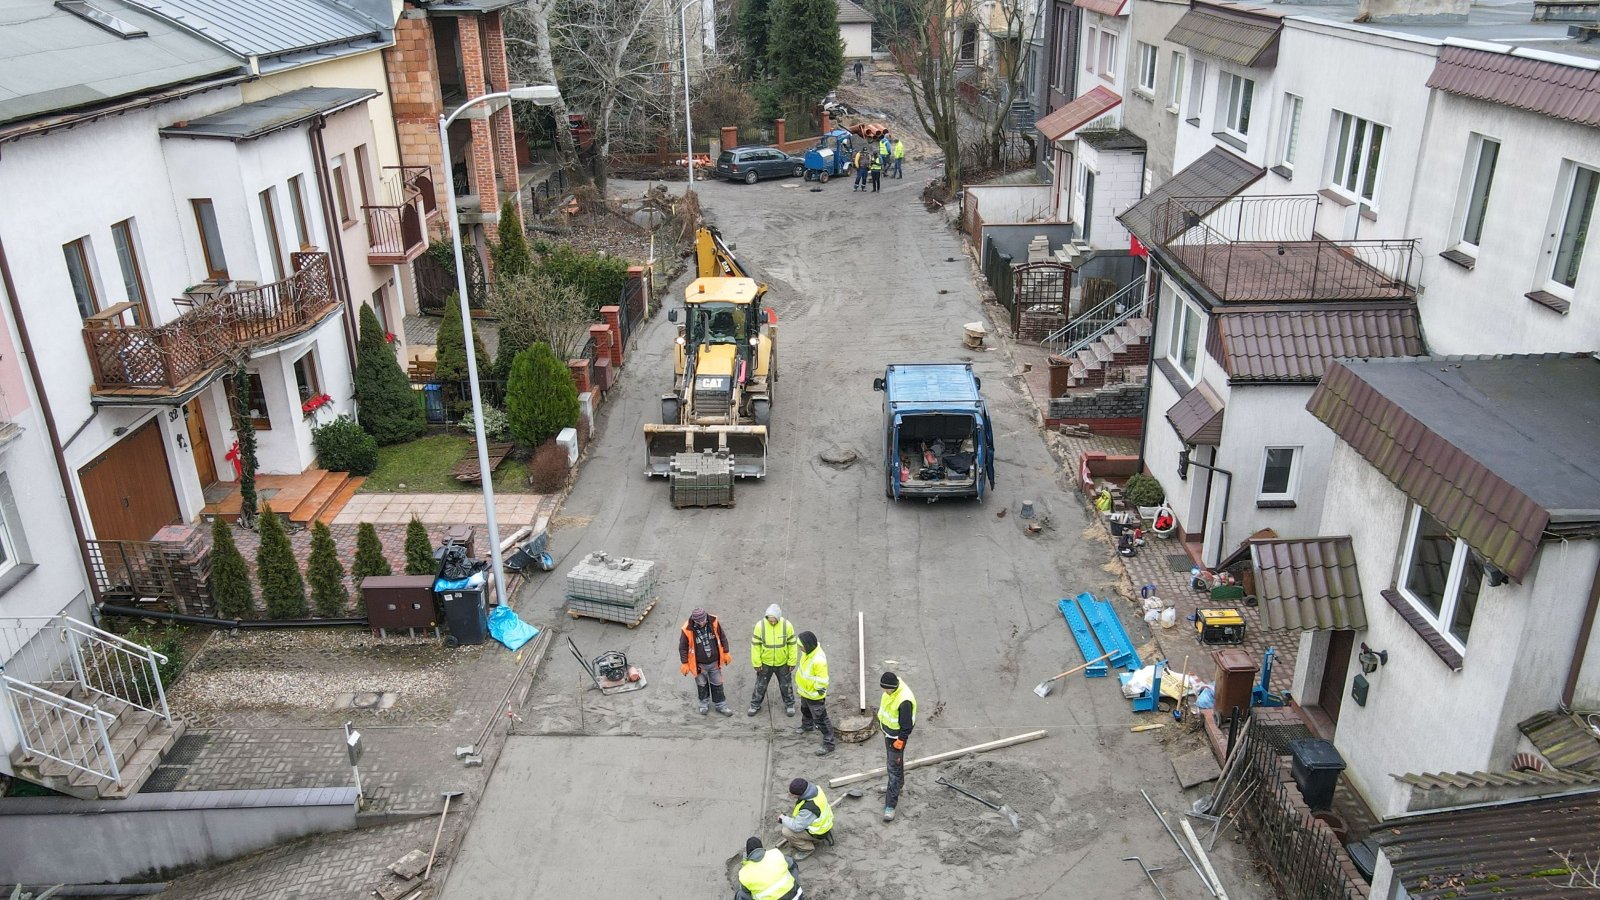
(774, 650)
(810, 821)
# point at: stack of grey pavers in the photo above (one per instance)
(701, 479)
(617, 589)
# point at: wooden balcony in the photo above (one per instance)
(395, 232)
(153, 362)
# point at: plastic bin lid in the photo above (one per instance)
(1315, 753)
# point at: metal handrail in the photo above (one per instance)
(38, 713)
(1097, 322)
(103, 663)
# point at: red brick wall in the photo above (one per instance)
(414, 89)
(505, 149)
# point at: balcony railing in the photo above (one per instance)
(418, 179)
(1265, 250)
(155, 360)
(394, 233)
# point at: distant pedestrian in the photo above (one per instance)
(899, 154)
(703, 652)
(811, 681)
(766, 874)
(774, 650)
(862, 160)
(859, 69)
(876, 171)
(897, 715)
(812, 818)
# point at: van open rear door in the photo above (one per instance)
(892, 457)
(988, 452)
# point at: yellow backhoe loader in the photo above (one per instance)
(726, 367)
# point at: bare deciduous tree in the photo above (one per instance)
(536, 307)
(532, 60)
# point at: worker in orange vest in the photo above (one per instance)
(703, 651)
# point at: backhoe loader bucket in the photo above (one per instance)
(746, 444)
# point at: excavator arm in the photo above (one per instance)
(714, 259)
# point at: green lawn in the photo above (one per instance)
(423, 466)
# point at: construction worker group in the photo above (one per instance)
(800, 666)
(876, 158)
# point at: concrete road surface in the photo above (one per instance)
(637, 796)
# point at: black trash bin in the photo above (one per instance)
(466, 616)
(1316, 766)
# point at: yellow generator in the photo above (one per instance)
(726, 366)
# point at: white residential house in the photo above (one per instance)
(855, 30)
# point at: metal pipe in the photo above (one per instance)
(1227, 497)
(341, 277)
(62, 471)
(688, 122)
(263, 624)
(1179, 844)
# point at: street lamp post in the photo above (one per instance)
(688, 123)
(544, 95)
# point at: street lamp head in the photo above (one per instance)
(542, 94)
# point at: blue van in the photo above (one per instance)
(937, 437)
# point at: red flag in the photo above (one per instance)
(1135, 247)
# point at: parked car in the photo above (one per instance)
(751, 164)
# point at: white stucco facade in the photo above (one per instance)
(857, 38)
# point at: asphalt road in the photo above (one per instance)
(637, 796)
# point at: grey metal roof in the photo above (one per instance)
(252, 120)
(279, 33)
(852, 13)
(1499, 449)
(1229, 34)
(1308, 584)
(52, 61)
(1200, 188)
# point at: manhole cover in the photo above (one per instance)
(367, 700)
(840, 457)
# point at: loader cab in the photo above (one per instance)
(719, 333)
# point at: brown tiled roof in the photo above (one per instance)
(1456, 781)
(1242, 38)
(1297, 345)
(1500, 450)
(1197, 416)
(1308, 584)
(1564, 740)
(1202, 186)
(1103, 7)
(1564, 92)
(1492, 851)
(1080, 112)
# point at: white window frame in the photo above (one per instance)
(1289, 138)
(1291, 486)
(1175, 83)
(1462, 219)
(1186, 312)
(1442, 622)
(1235, 103)
(13, 542)
(1149, 59)
(1091, 55)
(1108, 55)
(1350, 157)
(1197, 91)
(1559, 211)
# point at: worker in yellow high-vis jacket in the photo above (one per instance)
(811, 680)
(774, 650)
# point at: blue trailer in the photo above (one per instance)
(938, 440)
(831, 156)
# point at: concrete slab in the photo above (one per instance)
(610, 814)
(1196, 767)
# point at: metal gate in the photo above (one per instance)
(436, 280)
(1040, 289)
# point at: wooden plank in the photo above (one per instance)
(466, 469)
(941, 757)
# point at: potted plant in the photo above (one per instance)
(1144, 492)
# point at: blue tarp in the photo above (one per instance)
(508, 629)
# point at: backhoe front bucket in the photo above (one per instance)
(747, 444)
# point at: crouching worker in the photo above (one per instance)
(767, 875)
(811, 821)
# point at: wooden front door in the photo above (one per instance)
(200, 443)
(1334, 670)
(128, 488)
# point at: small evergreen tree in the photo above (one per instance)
(230, 575)
(326, 574)
(245, 428)
(511, 255)
(386, 406)
(540, 396)
(419, 549)
(450, 357)
(754, 20)
(369, 555)
(282, 587)
(504, 355)
(805, 55)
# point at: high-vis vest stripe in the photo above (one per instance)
(824, 822)
(889, 708)
(773, 645)
(766, 878)
(811, 677)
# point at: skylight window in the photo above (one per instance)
(100, 18)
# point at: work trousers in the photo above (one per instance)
(814, 715)
(876, 174)
(899, 162)
(861, 177)
(785, 684)
(897, 771)
(800, 840)
(708, 683)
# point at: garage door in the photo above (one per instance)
(129, 488)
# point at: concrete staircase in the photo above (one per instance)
(1109, 359)
(138, 740)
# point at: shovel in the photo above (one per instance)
(1044, 687)
(1002, 809)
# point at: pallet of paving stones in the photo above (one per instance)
(701, 479)
(630, 616)
(617, 580)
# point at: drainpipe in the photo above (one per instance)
(62, 470)
(1227, 496)
(319, 155)
(1152, 293)
(1582, 649)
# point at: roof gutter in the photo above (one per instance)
(62, 470)
(1581, 649)
(70, 120)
